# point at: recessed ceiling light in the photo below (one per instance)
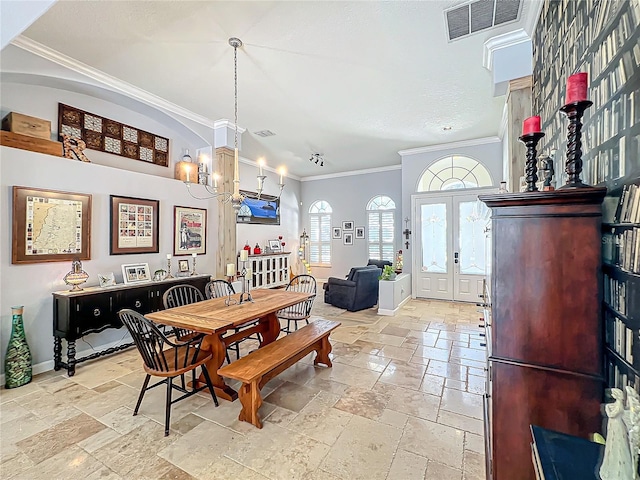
(447, 128)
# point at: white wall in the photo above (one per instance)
(413, 165)
(348, 196)
(16, 16)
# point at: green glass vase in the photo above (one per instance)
(17, 362)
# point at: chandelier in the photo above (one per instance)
(235, 198)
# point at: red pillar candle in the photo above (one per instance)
(531, 125)
(577, 88)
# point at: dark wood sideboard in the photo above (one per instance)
(544, 324)
(95, 309)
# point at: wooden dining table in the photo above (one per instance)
(218, 317)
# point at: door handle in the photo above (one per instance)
(455, 257)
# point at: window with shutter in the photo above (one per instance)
(320, 233)
(381, 228)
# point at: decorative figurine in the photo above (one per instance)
(617, 462)
(546, 165)
(632, 420)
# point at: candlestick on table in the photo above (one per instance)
(193, 271)
(168, 275)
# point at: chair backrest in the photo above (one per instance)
(179, 295)
(303, 284)
(152, 344)
(218, 288)
(354, 270)
(379, 263)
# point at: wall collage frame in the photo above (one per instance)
(347, 232)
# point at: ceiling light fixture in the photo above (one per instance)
(317, 158)
(236, 198)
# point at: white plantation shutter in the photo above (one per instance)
(381, 228)
(320, 233)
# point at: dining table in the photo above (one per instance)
(224, 320)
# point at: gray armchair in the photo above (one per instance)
(357, 292)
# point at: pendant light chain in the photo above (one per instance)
(235, 93)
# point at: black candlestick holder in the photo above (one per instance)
(531, 167)
(245, 296)
(573, 165)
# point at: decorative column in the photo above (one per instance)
(226, 214)
(518, 108)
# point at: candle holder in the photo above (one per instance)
(531, 167)
(573, 165)
(193, 270)
(168, 275)
(245, 296)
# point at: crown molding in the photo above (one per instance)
(448, 146)
(502, 41)
(350, 173)
(114, 83)
(224, 123)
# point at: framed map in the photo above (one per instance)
(134, 225)
(50, 226)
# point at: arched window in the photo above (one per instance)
(320, 233)
(381, 211)
(454, 172)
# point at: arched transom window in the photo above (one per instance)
(454, 172)
(320, 233)
(381, 228)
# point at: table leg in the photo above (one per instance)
(272, 328)
(217, 347)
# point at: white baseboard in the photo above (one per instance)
(48, 364)
(391, 313)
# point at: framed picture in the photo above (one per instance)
(50, 226)
(189, 230)
(359, 232)
(347, 239)
(347, 226)
(263, 209)
(337, 232)
(183, 266)
(106, 279)
(134, 225)
(274, 245)
(136, 272)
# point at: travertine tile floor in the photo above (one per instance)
(402, 401)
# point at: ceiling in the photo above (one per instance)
(354, 81)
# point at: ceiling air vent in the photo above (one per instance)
(265, 133)
(480, 15)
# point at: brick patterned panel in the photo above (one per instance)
(106, 135)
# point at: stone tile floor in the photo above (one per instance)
(402, 401)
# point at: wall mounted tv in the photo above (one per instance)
(264, 210)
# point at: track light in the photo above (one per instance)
(317, 158)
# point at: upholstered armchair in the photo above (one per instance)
(357, 292)
(379, 263)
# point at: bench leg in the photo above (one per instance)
(323, 351)
(251, 400)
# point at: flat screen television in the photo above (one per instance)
(263, 210)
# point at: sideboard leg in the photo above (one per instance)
(71, 356)
(57, 353)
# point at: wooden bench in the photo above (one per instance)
(257, 368)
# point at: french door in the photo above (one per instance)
(449, 255)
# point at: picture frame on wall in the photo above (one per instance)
(134, 225)
(347, 238)
(135, 273)
(359, 232)
(337, 232)
(347, 226)
(50, 226)
(189, 230)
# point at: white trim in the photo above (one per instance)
(391, 313)
(535, 7)
(352, 172)
(504, 122)
(505, 40)
(449, 146)
(48, 365)
(116, 84)
(224, 123)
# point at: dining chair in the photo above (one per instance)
(222, 288)
(167, 359)
(300, 311)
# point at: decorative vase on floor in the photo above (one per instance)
(17, 362)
